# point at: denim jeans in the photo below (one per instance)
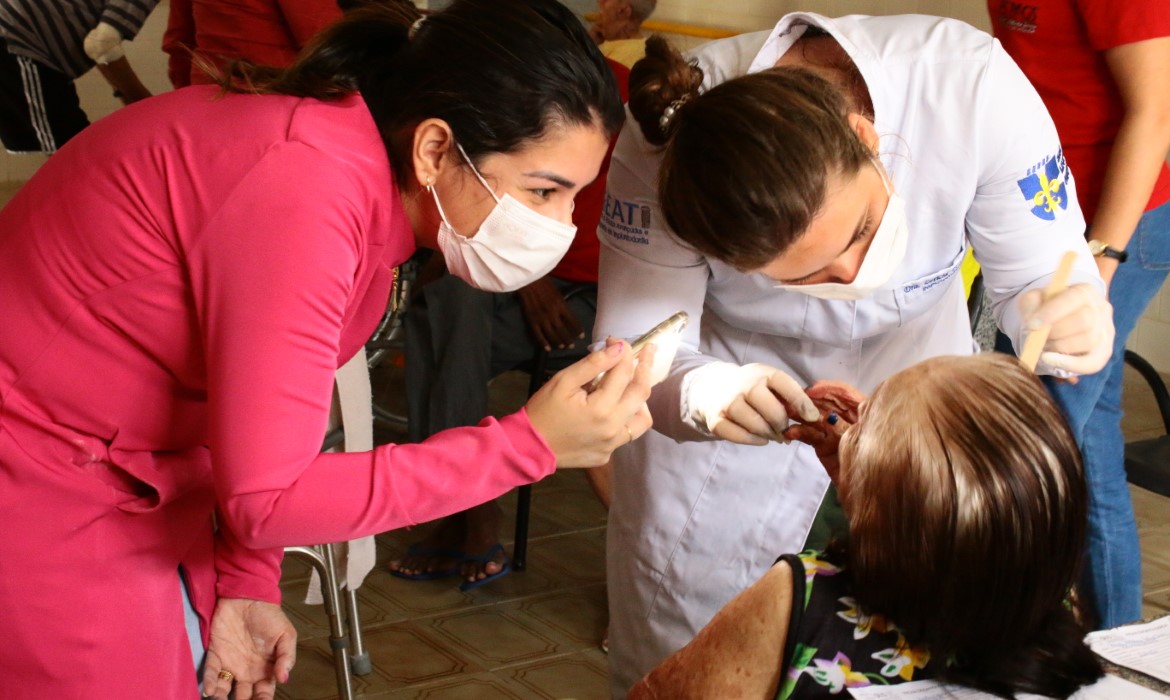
(1113, 578)
(191, 622)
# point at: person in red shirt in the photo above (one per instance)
(458, 338)
(1102, 68)
(262, 32)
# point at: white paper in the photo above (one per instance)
(352, 409)
(1144, 648)
(1108, 688)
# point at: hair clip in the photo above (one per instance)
(415, 27)
(668, 113)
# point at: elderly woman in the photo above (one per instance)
(966, 504)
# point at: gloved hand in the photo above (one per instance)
(749, 405)
(104, 44)
(1081, 339)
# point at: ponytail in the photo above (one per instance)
(335, 61)
(661, 84)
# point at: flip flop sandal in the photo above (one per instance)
(505, 569)
(417, 550)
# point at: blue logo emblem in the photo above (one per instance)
(1046, 187)
(626, 221)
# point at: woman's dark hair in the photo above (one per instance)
(746, 163)
(499, 72)
(966, 502)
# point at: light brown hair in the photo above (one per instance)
(966, 501)
(746, 164)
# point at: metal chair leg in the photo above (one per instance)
(359, 658)
(321, 557)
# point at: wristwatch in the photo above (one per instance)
(1100, 248)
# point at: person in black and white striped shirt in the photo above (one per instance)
(44, 46)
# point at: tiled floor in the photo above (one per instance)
(531, 634)
(535, 634)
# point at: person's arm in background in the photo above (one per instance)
(121, 77)
(179, 43)
(307, 17)
(1019, 236)
(1141, 71)
(120, 20)
(739, 654)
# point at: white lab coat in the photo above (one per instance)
(967, 142)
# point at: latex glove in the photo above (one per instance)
(749, 405)
(104, 44)
(1081, 336)
(583, 423)
(255, 642)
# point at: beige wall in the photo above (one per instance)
(750, 15)
(1152, 337)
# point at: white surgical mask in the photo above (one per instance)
(885, 254)
(514, 246)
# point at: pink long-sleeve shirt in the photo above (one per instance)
(177, 288)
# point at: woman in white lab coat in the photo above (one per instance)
(815, 221)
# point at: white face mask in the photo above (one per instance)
(514, 246)
(885, 254)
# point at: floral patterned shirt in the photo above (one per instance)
(832, 646)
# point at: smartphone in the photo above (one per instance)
(671, 326)
(669, 329)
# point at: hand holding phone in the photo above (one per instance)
(672, 326)
(664, 334)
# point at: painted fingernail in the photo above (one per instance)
(616, 349)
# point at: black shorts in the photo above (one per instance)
(39, 109)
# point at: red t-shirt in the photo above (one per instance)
(580, 262)
(1060, 45)
(264, 32)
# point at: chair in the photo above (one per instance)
(1147, 462)
(388, 337)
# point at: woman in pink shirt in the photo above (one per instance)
(179, 284)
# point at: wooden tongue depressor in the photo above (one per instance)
(1035, 341)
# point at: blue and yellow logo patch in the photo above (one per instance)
(1046, 187)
